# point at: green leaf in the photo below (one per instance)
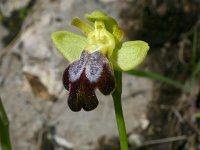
(4, 129)
(159, 77)
(70, 45)
(130, 55)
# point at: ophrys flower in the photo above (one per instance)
(94, 58)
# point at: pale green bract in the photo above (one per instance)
(105, 36)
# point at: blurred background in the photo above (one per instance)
(161, 100)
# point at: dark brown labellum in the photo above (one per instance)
(83, 76)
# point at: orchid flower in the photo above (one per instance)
(94, 57)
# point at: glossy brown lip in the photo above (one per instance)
(83, 76)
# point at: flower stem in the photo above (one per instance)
(118, 111)
(4, 129)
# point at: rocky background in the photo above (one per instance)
(36, 102)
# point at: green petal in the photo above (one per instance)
(84, 27)
(70, 45)
(130, 55)
(118, 33)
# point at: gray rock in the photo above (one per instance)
(7, 6)
(135, 140)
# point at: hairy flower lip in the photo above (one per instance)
(83, 76)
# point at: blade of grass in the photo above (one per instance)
(194, 46)
(195, 72)
(196, 67)
(4, 129)
(156, 76)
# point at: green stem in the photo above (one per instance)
(4, 129)
(118, 111)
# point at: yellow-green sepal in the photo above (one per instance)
(110, 23)
(69, 44)
(100, 16)
(129, 55)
